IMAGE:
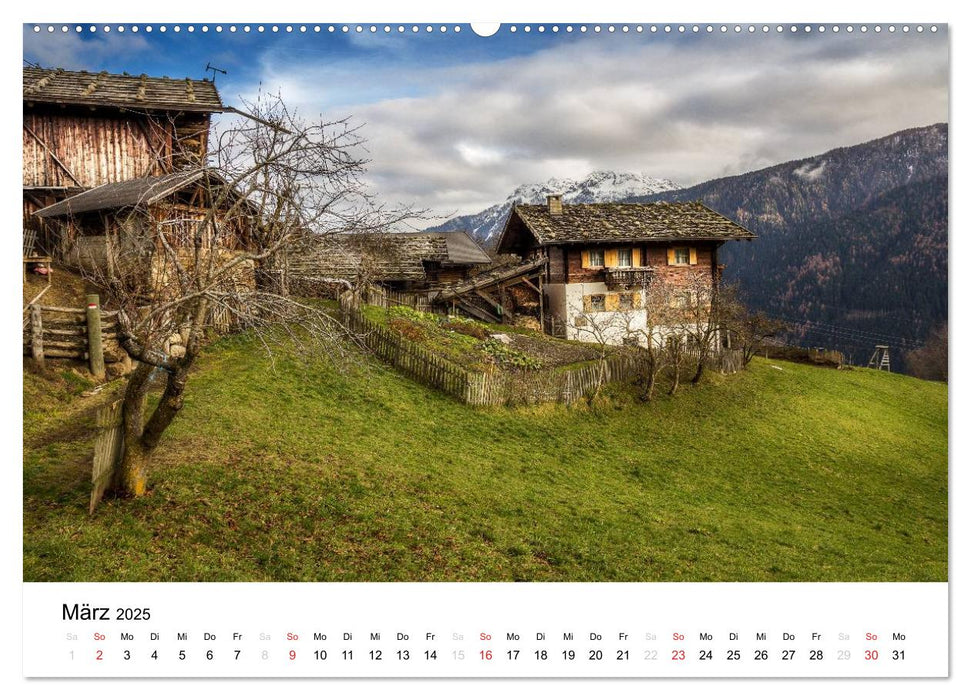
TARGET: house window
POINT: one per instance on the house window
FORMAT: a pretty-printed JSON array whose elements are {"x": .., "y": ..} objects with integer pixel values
[
  {"x": 598, "y": 302},
  {"x": 682, "y": 256},
  {"x": 625, "y": 302},
  {"x": 625, "y": 257},
  {"x": 596, "y": 258}
]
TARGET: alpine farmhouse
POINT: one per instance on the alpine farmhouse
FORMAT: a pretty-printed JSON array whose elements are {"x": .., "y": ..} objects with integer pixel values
[{"x": 601, "y": 260}]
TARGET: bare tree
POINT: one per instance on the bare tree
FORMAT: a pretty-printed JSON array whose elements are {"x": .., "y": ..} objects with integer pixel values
[
  {"x": 700, "y": 318},
  {"x": 746, "y": 330},
  {"x": 675, "y": 350},
  {"x": 594, "y": 324},
  {"x": 218, "y": 253},
  {"x": 649, "y": 320}
]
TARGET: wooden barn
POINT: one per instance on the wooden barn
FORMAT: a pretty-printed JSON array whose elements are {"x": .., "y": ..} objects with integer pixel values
[
  {"x": 83, "y": 130},
  {"x": 402, "y": 262},
  {"x": 147, "y": 226}
]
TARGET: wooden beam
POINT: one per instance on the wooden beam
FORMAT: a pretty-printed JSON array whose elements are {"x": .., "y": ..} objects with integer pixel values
[
  {"x": 474, "y": 310},
  {"x": 488, "y": 298},
  {"x": 525, "y": 281},
  {"x": 542, "y": 318},
  {"x": 37, "y": 335}
]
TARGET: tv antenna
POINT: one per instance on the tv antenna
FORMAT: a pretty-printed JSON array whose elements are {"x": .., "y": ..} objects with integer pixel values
[{"x": 210, "y": 67}]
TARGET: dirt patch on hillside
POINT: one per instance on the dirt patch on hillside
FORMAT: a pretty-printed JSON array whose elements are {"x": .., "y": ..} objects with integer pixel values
[
  {"x": 553, "y": 353},
  {"x": 67, "y": 288}
]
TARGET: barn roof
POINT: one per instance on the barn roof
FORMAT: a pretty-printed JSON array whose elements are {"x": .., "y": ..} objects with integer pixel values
[
  {"x": 65, "y": 87},
  {"x": 460, "y": 248},
  {"x": 620, "y": 223},
  {"x": 388, "y": 257},
  {"x": 114, "y": 195}
]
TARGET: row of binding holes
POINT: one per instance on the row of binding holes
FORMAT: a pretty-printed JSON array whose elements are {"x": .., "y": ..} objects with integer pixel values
[{"x": 428, "y": 28}]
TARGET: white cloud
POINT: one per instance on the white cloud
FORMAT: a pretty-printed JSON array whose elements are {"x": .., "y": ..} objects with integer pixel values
[
  {"x": 460, "y": 137},
  {"x": 68, "y": 50},
  {"x": 477, "y": 155}
]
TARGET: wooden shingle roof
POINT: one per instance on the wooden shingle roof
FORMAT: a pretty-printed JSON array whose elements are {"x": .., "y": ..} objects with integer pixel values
[
  {"x": 623, "y": 222},
  {"x": 114, "y": 195},
  {"x": 386, "y": 257},
  {"x": 460, "y": 248},
  {"x": 64, "y": 87}
]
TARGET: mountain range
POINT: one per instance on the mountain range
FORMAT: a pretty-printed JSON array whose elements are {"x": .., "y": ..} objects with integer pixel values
[{"x": 852, "y": 247}]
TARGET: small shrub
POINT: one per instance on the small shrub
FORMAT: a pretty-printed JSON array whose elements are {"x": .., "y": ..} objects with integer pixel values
[
  {"x": 470, "y": 328},
  {"x": 408, "y": 329},
  {"x": 410, "y": 314}
]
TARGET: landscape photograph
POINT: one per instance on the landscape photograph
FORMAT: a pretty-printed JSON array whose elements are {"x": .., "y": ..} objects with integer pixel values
[{"x": 562, "y": 302}]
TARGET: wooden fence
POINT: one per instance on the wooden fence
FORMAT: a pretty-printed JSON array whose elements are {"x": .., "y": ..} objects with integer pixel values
[
  {"x": 62, "y": 332},
  {"x": 378, "y": 296},
  {"x": 108, "y": 445},
  {"x": 498, "y": 387},
  {"x": 551, "y": 386},
  {"x": 223, "y": 320},
  {"x": 727, "y": 361},
  {"x": 413, "y": 359}
]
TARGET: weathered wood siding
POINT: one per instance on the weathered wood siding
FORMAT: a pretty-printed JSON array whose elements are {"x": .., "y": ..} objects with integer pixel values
[
  {"x": 576, "y": 272},
  {"x": 85, "y": 149},
  {"x": 452, "y": 274},
  {"x": 657, "y": 257},
  {"x": 94, "y": 149},
  {"x": 557, "y": 264}
]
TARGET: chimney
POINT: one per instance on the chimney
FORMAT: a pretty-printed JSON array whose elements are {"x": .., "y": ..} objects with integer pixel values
[{"x": 554, "y": 203}]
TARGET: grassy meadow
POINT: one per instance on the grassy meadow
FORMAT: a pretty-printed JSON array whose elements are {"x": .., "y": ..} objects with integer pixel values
[{"x": 291, "y": 469}]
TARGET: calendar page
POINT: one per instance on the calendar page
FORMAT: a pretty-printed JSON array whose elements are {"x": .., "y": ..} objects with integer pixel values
[{"x": 428, "y": 349}]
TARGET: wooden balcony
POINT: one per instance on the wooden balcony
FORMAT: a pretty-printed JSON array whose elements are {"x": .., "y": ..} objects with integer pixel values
[{"x": 628, "y": 276}]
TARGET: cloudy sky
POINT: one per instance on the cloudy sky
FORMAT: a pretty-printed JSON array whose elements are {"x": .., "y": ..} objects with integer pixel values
[{"x": 455, "y": 121}]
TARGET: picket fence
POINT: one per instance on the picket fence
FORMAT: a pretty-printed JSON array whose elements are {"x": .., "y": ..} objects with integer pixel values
[{"x": 378, "y": 296}]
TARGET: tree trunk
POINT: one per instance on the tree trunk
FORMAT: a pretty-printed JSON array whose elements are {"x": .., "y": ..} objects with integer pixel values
[
  {"x": 699, "y": 371},
  {"x": 677, "y": 378},
  {"x": 601, "y": 376},
  {"x": 132, "y": 477},
  {"x": 651, "y": 374},
  {"x": 649, "y": 389},
  {"x": 168, "y": 406}
]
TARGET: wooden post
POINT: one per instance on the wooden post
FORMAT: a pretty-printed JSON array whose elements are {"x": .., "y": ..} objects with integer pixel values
[
  {"x": 36, "y": 335},
  {"x": 542, "y": 319},
  {"x": 96, "y": 356}
]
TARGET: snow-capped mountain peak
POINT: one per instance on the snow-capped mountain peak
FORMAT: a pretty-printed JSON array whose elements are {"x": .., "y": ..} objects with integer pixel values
[{"x": 598, "y": 186}]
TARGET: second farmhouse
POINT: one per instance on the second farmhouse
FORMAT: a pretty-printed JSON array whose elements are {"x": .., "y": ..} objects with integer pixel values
[{"x": 601, "y": 259}]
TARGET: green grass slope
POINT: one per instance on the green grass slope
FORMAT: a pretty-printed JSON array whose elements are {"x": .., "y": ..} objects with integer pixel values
[{"x": 294, "y": 471}]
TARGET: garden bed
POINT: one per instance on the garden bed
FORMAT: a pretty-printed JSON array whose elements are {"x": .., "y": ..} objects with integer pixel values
[{"x": 479, "y": 346}]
